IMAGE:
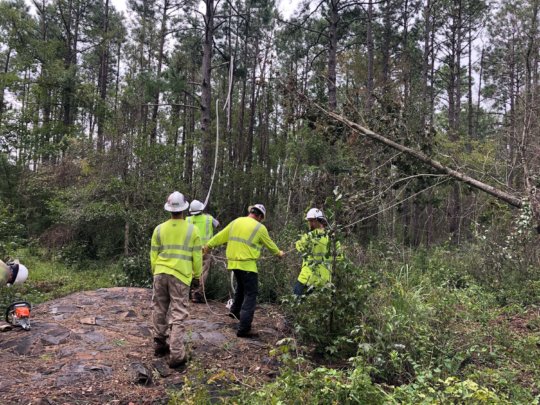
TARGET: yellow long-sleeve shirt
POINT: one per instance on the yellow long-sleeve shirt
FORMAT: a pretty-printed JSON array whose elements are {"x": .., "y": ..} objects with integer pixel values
[
  {"x": 245, "y": 238},
  {"x": 316, "y": 263},
  {"x": 176, "y": 250}
]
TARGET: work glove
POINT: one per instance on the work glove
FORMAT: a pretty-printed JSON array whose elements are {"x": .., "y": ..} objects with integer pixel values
[
  {"x": 205, "y": 249},
  {"x": 281, "y": 254},
  {"x": 195, "y": 283}
]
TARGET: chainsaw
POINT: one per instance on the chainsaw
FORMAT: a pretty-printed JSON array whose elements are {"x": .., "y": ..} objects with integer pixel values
[{"x": 18, "y": 314}]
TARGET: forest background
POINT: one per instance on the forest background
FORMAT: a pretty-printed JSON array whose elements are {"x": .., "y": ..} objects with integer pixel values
[{"x": 104, "y": 113}]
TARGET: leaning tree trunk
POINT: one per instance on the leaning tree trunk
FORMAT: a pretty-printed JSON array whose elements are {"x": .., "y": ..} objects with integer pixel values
[{"x": 500, "y": 194}]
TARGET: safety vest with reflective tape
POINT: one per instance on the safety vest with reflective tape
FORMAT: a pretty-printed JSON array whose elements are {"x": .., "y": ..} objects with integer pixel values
[
  {"x": 176, "y": 250},
  {"x": 316, "y": 264},
  {"x": 204, "y": 223},
  {"x": 245, "y": 238}
]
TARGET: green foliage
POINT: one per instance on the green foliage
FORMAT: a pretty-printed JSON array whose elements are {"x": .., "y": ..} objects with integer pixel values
[
  {"x": 11, "y": 231},
  {"x": 136, "y": 270},
  {"x": 321, "y": 385},
  {"x": 450, "y": 390},
  {"x": 327, "y": 316},
  {"x": 48, "y": 280}
]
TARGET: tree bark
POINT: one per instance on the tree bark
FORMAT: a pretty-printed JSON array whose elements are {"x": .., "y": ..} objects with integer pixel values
[
  {"x": 162, "y": 35},
  {"x": 206, "y": 96},
  {"x": 103, "y": 80},
  {"x": 370, "y": 49},
  {"x": 333, "y": 19},
  {"x": 2, "y": 90}
]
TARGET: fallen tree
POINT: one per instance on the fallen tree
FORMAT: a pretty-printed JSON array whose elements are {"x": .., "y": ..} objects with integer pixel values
[{"x": 513, "y": 200}]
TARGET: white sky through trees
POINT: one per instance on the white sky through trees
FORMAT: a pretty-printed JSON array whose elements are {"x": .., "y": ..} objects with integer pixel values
[{"x": 287, "y": 7}]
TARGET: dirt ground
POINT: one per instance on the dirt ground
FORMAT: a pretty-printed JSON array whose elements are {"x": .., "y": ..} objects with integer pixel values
[{"x": 96, "y": 348}]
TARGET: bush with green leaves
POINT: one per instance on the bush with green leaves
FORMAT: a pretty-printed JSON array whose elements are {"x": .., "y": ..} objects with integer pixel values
[
  {"x": 428, "y": 389},
  {"x": 12, "y": 232}
]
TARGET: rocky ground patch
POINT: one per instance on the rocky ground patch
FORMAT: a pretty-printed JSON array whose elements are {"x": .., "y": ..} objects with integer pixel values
[{"x": 95, "y": 347}]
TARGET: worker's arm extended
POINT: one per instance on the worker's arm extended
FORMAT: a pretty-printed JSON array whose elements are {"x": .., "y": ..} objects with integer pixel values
[
  {"x": 267, "y": 241},
  {"x": 301, "y": 244},
  {"x": 197, "y": 256},
  {"x": 220, "y": 238}
]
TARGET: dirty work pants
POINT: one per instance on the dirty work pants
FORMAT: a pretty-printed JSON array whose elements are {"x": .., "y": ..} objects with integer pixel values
[
  {"x": 245, "y": 298},
  {"x": 197, "y": 293},
  {"x": 170, "y": 296}
]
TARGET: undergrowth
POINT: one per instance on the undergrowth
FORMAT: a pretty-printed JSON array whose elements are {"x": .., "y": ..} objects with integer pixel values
[
  {"x": 48, "y": 279},
  {"x": 409, "y": 327}
]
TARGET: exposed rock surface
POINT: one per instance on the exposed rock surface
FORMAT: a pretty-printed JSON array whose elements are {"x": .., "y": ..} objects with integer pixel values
[{"x": 96, "y": 348}]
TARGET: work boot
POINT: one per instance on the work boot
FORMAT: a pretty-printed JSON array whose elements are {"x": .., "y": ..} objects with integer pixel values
[
  {"x": 197, "y": 298},
  {"x": 161, "y": 348},
  {"x": 248, "y": 334},
  {"x": 178, "y": 364}
]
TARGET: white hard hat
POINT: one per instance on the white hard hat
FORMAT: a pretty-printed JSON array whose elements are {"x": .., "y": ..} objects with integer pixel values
[
  {"x": 260, "y": 207},
  {"x": 176, "y": 202},
  {"x": 22, "y": 275},
  {"x": 196, "y": 207},
  {"x": 314, "y": 213}
]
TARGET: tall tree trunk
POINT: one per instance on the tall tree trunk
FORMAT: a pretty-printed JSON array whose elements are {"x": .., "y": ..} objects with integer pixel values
[
  {"x": 241, "y": 115},
  {"x": 454, "y": 108},
  {"x": 370, "y": 49},
  {"x": 470, "y": 112},
  {"x": 252, "y": 110},
  {"x": 333, "y": 20},
  {"x": 479, "y": 94},
  {"x": 386, "y": 45},
  {"x": 206, "y": 96},
  {"x": 162, "y": 35},
  {"x": 406, "y": 58},
  {"x": 2, "y": 90},
  {"x": 103, "y": 80}
]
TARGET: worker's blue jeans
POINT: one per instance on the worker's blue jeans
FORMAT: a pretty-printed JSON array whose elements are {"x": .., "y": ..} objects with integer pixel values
[
  {"x": 245, "y": 298},
  {"x": 299, "y": 288}
]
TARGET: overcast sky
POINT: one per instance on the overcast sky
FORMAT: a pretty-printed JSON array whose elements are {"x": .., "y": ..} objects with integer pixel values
[{"x": 286, "y": 6}]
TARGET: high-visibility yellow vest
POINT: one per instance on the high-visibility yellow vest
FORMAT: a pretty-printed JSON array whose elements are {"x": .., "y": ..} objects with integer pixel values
[
  {"x": 316, "y": 263},
  {"x": 245, "y": 238},
  {"x": 176, "y": 250},
  {"x": 204, "y": 223}
]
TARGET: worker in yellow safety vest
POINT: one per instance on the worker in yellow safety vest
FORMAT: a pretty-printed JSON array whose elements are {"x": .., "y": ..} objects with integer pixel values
[
  {"x": 245, "y": 237},
  {"x": 314, "y": 247},
  {"x": 206, "y": 224},
  {"x": 176, "y": 261}
]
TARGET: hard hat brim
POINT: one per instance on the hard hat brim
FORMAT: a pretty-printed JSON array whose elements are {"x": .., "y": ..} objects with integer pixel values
[
  {"x": 170, "y": 208},
  {"x": 258, "y": 209},
  {"x": 195, "y": 212}
]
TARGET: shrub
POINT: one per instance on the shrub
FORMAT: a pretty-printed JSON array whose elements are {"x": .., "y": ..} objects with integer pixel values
[{"x": 11, "y": 232}]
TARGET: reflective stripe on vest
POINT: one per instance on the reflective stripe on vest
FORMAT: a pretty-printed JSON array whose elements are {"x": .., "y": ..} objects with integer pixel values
[
  {"x": 207, "y": 234},
  {"x": 185, "y": 247},
  {"x": 248, "y": 241}
]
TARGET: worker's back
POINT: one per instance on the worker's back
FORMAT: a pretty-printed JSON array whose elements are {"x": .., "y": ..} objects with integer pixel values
[{"x": 204, "y": 223}]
